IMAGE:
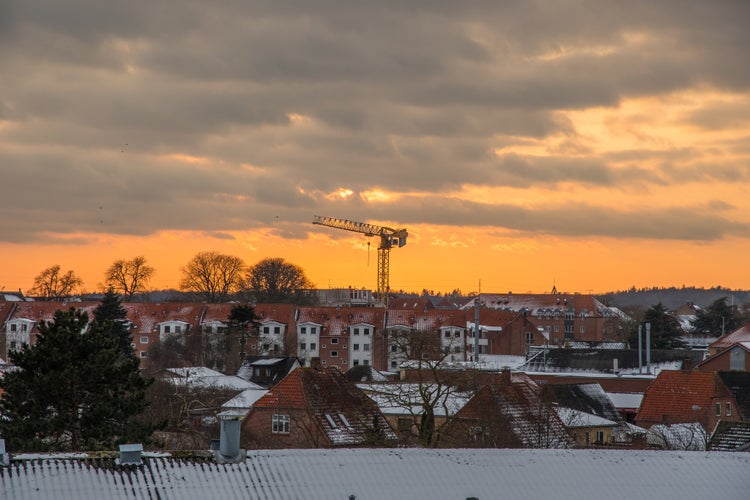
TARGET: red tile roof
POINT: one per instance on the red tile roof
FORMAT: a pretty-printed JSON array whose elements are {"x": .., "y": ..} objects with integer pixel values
[
  {"x": 740, "y": 335},
  {"x": 328, "y": 395},
  {"x": 680, "y": 396}
]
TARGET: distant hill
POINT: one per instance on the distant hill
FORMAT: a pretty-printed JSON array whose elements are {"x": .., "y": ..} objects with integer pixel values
[{"x": 672, "y": 298}]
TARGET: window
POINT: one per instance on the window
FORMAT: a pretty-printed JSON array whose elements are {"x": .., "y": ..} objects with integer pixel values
[
  {"x": 529, "y": 337},
  {"x": 331, "y": 422},
  {"x": 355, "y": 347},
  {"x": 457, "y": 349},
  {"x": 313, "y": 330},
  {"x": 365, "y": 347},
  {"x": 394, "y": 364},
  {"x": 447, "y": 334},
  {"x": 313, "y": 346},
  {"x": 23, "y": 327},
  {"x": 366, "y": 362},
  {"x": 280, "y": 424},
  {"x": 457, "y": 334},
  {"x": 343, "y": 361},
  {"x": 302, "y": 346},
  {"x": 356, "y": 331},
  {"x": 600, "y": 437},
  {"x": 355, "y": 362},
  {"x": 729, "y": 409},
  {"x": 167, "y": 329},
  {"x": 394, "y": 348},
  {"x": 334, "y": 341},
  {"x": 177, "y": 329},
  {"x": 144, "y": 339},
  {"x": 276, "y": 329},
  {"x": 13, "y": 327},
  {"x": 266, "y": 329},
  {"x": 144, "y": 354},
  {"x": 718, "y": 409},
  {"x": 366, "y": 331},
  {"x": 583, "y": 329},
  {"x": 557, "y": 328},
  {"x": 346, "y": 422},
  {"x": 404, "y": 424},
  {"x": 334, "y": 354},
  {"x": 13, "y": 345},
  {"x": 303, "y": 329}
]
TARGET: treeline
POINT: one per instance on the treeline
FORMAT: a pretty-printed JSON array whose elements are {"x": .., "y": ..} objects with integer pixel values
[
  {"x": 673, "y": 297},
  {"x": 209, "y": 276}
]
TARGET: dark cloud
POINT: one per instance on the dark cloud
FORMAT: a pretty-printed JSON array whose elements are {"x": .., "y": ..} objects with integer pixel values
[{"x": 227, "y": 115}]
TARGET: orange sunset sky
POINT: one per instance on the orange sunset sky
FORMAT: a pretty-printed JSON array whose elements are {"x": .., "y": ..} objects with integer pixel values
[{"x": 594, "y": 145}]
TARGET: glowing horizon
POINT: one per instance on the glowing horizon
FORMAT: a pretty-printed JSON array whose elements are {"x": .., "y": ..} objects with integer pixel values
[{"x": 524, "y": 145}]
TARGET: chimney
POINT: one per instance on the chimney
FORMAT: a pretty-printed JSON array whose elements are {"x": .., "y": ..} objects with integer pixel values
[
  {"x": 687, "y": 364},
  {"x": 229, "y": 438},
  {"x": 4, "y": 455},
  {"x": 505, "y": 376},
  {"x": 130, "y": 454},
  {"x": 315, "y": 363}
]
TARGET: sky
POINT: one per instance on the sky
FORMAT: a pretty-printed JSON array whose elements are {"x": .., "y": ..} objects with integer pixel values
[{"x": 590, "y": 145}]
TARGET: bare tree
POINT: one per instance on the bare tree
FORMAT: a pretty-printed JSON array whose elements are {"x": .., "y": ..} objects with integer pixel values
[
  {"x": 52, "y": 284},
  {"x": 129, "y": 276},
  {"x": 212, "y": 275},
  {"x": 275, "y": 280},
  {"x": 435, "y": 390}
]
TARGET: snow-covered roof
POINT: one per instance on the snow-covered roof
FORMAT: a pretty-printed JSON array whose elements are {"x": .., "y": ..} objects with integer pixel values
[
  {"x": 388, "y": 474},
  {"x": 625, "y": 399},
  {"x": 405, "y": 399},
  {"x": 203, "y": 377},
  {"x": 267, "y": 362},
  {"x": 245, "y": 399},
  {"x": 575, "y": 418}
]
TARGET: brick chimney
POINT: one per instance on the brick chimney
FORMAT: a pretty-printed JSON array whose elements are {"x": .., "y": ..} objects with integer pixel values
[
  {"x": 687, "y": 364},
  {"x": 505, "y": 376}
]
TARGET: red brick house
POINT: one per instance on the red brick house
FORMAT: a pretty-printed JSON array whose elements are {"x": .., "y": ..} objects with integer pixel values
[
  {"x": 506, "y": 414},
  {"x": 315, "y": 408},
  {"x": 684, "y": 396},
  {"x": 735, "y": 357},
  {"x": 727, "y": 341}
]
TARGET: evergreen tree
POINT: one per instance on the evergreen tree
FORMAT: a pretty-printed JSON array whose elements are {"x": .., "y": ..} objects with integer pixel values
[
  {"x": 242, "y": 323},
  {"x": 717, "y": 319},
  {"x": 665, "y": 329},
  {"x": 111, "y": 316},
  {"x": 73, "y": 390}
]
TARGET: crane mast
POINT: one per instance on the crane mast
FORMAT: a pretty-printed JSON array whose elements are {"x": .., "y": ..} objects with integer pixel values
[{"x": 389, "y": 238}]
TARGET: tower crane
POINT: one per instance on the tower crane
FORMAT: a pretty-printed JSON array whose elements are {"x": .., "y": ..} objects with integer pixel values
[{"x": 389, "y": 238}]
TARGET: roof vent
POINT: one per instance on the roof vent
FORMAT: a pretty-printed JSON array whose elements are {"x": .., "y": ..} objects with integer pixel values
[
  {"x": 4, "y": 455},
  {"x": 229, "y": 438},
  {"x": 130, "y": 454}
]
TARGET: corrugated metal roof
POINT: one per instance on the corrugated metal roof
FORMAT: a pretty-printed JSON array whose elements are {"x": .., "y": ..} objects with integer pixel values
[{"x": 392, "y": 474}]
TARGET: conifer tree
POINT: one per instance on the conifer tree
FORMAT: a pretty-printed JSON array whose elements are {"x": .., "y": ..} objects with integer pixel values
[
  {"x": 717, "y": 319},
  {"x": 111, "y": 316},
  {"x": 73, "y": 390}
]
